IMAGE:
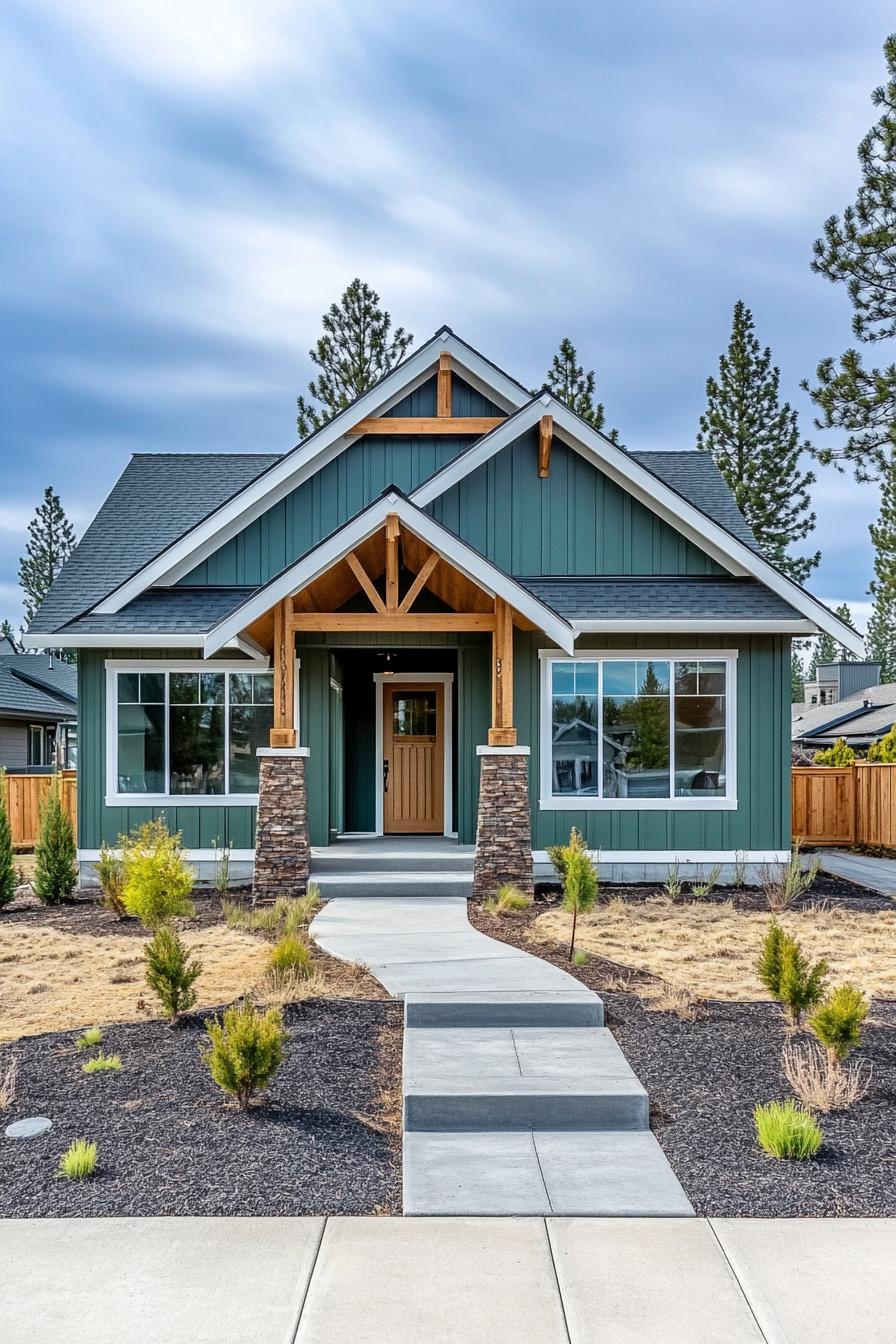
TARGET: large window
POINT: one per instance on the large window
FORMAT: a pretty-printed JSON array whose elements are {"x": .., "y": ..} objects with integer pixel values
[
  {"x": 190, "y": 733},
  {"x": 644, "y": 728}
]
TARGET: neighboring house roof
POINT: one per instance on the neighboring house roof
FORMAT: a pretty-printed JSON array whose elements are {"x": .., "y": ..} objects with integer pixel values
[
  {"x": 860, "y": 718},
  {"x": 35, "y": 684},
  {"x": 168, "y": 512},
  {"x": 616, "y": 600}
]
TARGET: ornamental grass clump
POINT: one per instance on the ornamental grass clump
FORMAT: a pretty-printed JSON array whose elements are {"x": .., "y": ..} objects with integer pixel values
[
  {"x": 79, "y": 1161},
  {"x": 89, "y": 1039},
  {"x": 55, "y": 866},
  {"x": 291, "y": 955},
  {"x": 157, "y": 880},
  {"x": 110, "y": 875},
  {"x": 102, "y": 1063},
  {"x": 245, "y": 1050},
  {"x": 787, "y": 975},
  {"x": 507, "y": 900},
  {"x": 785, "y": 1130},
  {"x": 170, "y": 973},
  {"x": 7, "y": 860},
  {"x": 785, "y": 883},
  {"x": 819, "y": 1085}
]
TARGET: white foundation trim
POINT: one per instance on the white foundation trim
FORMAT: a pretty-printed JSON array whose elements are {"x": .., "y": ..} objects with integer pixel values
[
  {"x": 503, "y": 751},
  {"x": 193, "y": 855},
  {"x": 672, "y": 856},
  {"x": 445, "y": 679}
]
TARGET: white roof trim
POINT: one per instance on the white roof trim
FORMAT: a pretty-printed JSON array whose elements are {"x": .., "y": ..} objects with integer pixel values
[
  {"x": 686, "y": 518},
  {"x": 295, "y": 467},
  {"x": 707, "y": 625},
  {"x": 463, "y": 558},
  {"x": 116, "y": 640}
]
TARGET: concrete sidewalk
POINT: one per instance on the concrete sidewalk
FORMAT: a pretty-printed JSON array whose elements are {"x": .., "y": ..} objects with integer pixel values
[
  {"x": 447, "y": 1281},
  {"x": 877, "y": 874}
]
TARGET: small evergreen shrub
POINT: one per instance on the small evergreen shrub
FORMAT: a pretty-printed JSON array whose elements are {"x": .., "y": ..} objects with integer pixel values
[
  {"x": 91, "y": 1038},
  {"x": 838, "y": 1021},
  {"x": 786, "y": 973},
  {"x": 169, "y": 972},
  {"x": 785, "y": 1130},
  {"x": 559, "y": 854},
  {"x": 55, "y": 868},
  {"x": 7, "y": 862},
  {"x": 110, "y": 874},
  {"x": 102, "y": 1064},
  {"x": 245, "y": 1050},
  {"x": 507, "y": 900},
  {"x": 79, "y": 1160},
  {"x": 157, "y": 880},
  {"x": 291, "y": 955},
  {"x": 579, "y": 889},
  {"x": 839, "y": 754},
  {"x": 883, "y": 751}
]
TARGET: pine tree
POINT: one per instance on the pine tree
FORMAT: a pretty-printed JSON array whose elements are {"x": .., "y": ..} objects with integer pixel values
[
  {"x": 55, "y": 866},
  {"x": 825, "y": 651},
  {"x": 7, "y": 864},
  {"x": 7, "y": 633},
  {"x": 796, "y": 677},
  {"x": 354, "y": 352},
  {"x": 859, "y": 251},
  {"x": 568, "y": 380},
  {"x": 880, "y": 642},
  {"x": 51, "y": 540},
  {"x": 843, "y": 653},
  {"x": 755, "y": 442}
]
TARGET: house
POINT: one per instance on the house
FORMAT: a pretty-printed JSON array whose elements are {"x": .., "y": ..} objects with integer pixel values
[
  {"x": 38, "y": 708},
  {"x": 860, "y": 719},
  {"x": 388, "y": 629},
  {"x": 840, "y": 681}
]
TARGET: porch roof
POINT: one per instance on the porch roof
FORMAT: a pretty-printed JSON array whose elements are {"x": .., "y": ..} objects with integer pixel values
[{"x": 624, "y": 602}]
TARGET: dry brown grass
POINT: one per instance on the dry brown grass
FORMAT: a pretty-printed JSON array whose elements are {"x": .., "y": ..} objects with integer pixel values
[
  {"x": 710, "y": 951},
  {"x": 819, "y": 1084},
  {"x": 661, "y": 997}
]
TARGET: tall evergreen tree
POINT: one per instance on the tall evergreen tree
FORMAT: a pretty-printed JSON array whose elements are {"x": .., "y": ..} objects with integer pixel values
[
  {"x": 825, "y": 651},
  {"x": 568, "y": 380},
  {"x": 880, "y": 641},
  {"x": 7, "y": 633},
  {"x": 859, "y": 251},
  {"x": 843, "y": 653},
  {"x": 51, "y": 540},
  {"x": 357, "y": 347},
  {"x": 796, "y": 676},
  {"x": 755, "y": 442}
]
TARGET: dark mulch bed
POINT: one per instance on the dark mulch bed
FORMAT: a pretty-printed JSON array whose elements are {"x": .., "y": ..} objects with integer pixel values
[
  {"x": 170, "y": 1142},
  {"x": 826, "y": 890},
  {"x": 705, "y": 1076},
  {"x": 85, "y": 913}
]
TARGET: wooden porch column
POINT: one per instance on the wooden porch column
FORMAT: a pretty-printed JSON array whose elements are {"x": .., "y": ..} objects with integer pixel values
[
  {"x": 283, "y": 733},
  {"x": 502, "y": 732}
]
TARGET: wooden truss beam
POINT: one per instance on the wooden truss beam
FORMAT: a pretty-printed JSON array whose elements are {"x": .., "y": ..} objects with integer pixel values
[
  {"x": 423, "y": 621},
  {"x": 413, "y": 592},
  {"x": 476, "y": 425},
  {"x": 365, "y": 581},
  {"x": 545, "y": 438},
  {"x": 502, "y": 732},
  {"x": 443, "y": 386}
]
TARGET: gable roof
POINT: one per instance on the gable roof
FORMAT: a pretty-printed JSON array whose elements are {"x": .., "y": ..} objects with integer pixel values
[
  {"x": 39, "y": 685},
  {"x": 868, "y": 714},
  {"x": 457, "y": 553}
]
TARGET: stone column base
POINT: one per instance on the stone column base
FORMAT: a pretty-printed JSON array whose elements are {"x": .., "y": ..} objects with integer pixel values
[
  {"x": 504, "y": 828},
  {"x": 282, "y": 851}
]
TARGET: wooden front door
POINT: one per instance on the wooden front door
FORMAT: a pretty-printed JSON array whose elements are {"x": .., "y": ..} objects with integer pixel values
[{"x": 413, "y": 758}]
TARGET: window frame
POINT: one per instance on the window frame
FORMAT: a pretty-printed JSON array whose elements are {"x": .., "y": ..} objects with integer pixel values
[
  {"x": 114, "y": 798},
  {"x": 550, "y": 802},
  {"x": 37, "y": 728}
]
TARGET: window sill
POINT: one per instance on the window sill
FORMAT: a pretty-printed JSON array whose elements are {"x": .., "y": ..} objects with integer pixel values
[
  {"x": 576, "y": 803},
  {"x": 181, "y": 800}
]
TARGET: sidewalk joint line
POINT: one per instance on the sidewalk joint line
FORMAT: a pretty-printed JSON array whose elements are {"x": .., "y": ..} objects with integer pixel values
[
  {"x": 736, "y": 1277},
  {"x": 547, "y": 1232},
  {"x": 547, "y": 1193},
  {"x": 300, "y": 1312}
]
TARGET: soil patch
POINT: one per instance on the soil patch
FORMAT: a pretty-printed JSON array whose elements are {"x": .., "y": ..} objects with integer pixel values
[{"x": 171, "y": 1143}]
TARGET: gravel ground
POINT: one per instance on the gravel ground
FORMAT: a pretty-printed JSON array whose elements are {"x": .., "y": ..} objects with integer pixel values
[
  {"x": 704, "y": 1078},
  {"x": 170, "y": 1142}
]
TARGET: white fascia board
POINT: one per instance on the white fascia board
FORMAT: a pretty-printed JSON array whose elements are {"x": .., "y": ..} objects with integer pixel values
[
  {"x": 738, "y": 558},
  {"x": 61, "y": 640},
  {"x": 707, "y": 625},
  {"x": 297, "y": 466},
  {"x": 457, "y": 553}
]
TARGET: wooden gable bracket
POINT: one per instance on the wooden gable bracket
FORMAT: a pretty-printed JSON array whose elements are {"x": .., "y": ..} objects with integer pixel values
[
  {"x": 545, "y": 439},
  {"x": 476, "y": 425},
  {"x": 413, "y": 592},
  {"x": 365, "y": 581},
  {"x": 443, "y": 386},
  {"x": 393, "y": 532}
]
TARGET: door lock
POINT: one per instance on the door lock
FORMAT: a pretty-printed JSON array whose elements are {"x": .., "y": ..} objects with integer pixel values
[{"x": 385, "y": 776}]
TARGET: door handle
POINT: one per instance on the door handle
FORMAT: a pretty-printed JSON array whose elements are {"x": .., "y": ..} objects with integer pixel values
[{"x": 385, "y": 776}]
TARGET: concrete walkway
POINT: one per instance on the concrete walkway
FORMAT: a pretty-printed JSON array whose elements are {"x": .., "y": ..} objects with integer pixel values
[
  {"x": 877, "y": 874},
  {"x": 447, "y": 1281},
  {"x": 517, "y": 1099}
]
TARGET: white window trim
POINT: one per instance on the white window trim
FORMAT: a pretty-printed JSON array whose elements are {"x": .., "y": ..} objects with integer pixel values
[
  {"x": 112, "y": 796},
  {"x": 445, "y": 679},
  {"x": 548, "y": 802},
  {"x": 38, "y": 728}
]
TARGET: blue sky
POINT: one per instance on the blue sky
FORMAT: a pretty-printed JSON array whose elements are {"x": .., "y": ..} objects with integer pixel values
[{"x": 187, "y": 186}]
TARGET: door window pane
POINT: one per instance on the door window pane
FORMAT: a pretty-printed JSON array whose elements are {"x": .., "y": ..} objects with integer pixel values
[
  {"x": 574, "y": 728},
  {"x": 414, "y": 713}
]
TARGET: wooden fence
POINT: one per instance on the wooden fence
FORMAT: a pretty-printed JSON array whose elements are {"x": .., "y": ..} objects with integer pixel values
[
  {"x": 845, "y": 805},
  {"x": 23, "y": 796}
]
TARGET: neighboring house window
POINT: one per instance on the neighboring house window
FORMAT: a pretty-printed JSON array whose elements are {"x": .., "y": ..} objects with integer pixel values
[
  {"x": 190, "y": 733},
  {"x": 35, "y": 744},
  {"x": 645, "y": 730},
  {"x": 71, "y": 746}
]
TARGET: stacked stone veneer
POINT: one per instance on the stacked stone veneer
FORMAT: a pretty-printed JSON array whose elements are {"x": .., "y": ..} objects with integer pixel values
[
  {"x": 504, "y": 828},
  {"x": 281, "y": 829}
]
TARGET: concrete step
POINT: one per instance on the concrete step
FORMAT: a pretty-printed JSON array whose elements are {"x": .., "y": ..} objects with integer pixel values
[
  {"x": 373, "y": 882},
  {"x": 522, "y": 1009},
  {"x": 506, "y": 1078},
  {"x": 517, "y": 1173},
  {"x": 392, "y": 859}
]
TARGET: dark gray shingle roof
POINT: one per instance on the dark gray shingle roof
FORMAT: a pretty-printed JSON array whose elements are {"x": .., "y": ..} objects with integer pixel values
[
  {"x": 158, "y": 498},
  {"x": 677, "y": 598},
  {"x": 37, "y": 684},
  {"x": 185, "y": 611},
  {"x": 695, "y": 475}
]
